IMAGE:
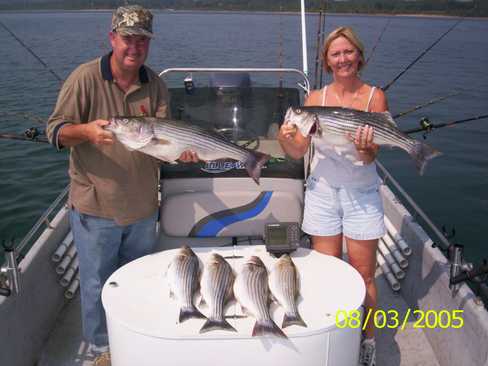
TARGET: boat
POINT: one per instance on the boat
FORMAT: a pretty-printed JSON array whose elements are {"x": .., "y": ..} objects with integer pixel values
[{"x": 439, "y": 320}]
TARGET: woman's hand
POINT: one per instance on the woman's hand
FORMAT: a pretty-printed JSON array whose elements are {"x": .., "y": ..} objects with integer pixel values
[
  {"x": 287, "y": 132},
  {"x": 363, "y": 140}
]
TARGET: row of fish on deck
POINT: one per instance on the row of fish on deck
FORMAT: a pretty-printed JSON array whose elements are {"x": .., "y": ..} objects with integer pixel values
[{"x": 251, "y": 287}]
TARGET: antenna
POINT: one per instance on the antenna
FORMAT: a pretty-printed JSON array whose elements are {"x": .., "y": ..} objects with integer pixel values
[{"x": 304, "y": 38}]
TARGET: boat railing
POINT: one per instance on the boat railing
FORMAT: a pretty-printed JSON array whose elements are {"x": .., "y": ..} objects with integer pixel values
[
  {"x": 42, "y": 223},
  {"x": 416, "y": 211},
  {"x": 305, "y": 86}
]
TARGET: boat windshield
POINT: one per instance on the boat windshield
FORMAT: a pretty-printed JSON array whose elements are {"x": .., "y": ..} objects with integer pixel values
[{"x": 248, "y": 116}]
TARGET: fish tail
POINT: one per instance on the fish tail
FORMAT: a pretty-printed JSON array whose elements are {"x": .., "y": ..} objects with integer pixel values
[
  {"x": 189, "y": 312},
  {"x": 214, "y": 324},
  {"x": 267, "y": 327},
  {"x": 421, "y": 153},
  {"x": 293, "y": 319},
  {"x": 254, "y": 163}
]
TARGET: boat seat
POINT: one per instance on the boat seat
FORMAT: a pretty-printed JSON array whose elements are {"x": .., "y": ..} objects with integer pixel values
[{"x": 227, "y": 212}]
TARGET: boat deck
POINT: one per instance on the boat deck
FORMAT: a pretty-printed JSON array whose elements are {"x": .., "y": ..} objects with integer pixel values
[{"x": 395, "y": 347}]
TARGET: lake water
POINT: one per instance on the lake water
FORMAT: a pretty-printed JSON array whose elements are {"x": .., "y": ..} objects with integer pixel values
[{"x": 453, "y": 192}]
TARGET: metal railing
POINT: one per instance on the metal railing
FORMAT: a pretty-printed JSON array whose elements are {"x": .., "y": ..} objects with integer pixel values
[{"x": 305, "y": 86}]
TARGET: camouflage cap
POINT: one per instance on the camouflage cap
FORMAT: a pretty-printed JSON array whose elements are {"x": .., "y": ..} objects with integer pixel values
[{"x": 132, "y": 20}]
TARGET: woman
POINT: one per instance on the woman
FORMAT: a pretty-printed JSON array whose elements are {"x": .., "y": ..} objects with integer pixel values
[{"x": 342, "y": 197}]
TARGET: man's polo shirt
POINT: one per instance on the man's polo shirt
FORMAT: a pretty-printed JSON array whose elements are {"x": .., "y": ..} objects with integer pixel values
[{"x": 109, "y": 181}]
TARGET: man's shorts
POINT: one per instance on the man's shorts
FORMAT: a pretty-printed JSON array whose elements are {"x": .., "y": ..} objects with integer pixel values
[{"x": 355, "y": 212}]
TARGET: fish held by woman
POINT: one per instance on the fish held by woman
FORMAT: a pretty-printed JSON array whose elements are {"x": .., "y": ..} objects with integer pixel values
[
  {"x": 334, "y": 124},
  {"x": 166, "y": 139}
]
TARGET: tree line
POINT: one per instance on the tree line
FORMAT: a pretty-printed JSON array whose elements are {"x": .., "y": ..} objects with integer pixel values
[{"x": 430, "y": 7}]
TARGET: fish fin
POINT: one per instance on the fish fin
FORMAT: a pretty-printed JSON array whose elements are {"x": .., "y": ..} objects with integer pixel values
[
  {"x": 421, "y": 153},
  {"x": 245, "y": 311},
  {"x": 254, "y": 163},
  {"x": 388, "y": 119},
  {"x": 202, "y": 302},
  {"x": 268, "y": 327},
  {"x": 160, "y": 141},
  {"x": 214, "y": 324},
  {"x": 190, "y": 312},
  {"x": 292, "y": 319}
]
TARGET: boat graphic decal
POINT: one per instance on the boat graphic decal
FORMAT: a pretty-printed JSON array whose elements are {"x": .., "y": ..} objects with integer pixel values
[
  {"x": 211, "y": 225},
  {"x": 220, "y": 166}
]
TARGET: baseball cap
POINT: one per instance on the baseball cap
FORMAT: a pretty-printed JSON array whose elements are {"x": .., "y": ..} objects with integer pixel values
[{"x": 132, "y": 20}]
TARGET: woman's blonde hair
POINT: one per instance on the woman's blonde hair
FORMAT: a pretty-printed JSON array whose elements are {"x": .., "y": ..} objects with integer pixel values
[{"x": 348, "y": 34}]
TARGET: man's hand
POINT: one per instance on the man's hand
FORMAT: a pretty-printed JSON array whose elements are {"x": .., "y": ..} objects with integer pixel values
[
  {"x": 189, "y": 156},
  {"x": 96, "y": 134}
]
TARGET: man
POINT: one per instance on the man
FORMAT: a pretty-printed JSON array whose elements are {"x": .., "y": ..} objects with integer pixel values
[{"x": 114, "y": 192}]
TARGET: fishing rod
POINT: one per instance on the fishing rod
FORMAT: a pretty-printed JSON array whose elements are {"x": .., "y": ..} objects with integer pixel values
[
  {"x": 317, "y": 54},
  {"x": 427, "y": 126},
  {"x": 387, "y": 86},
  {"x": 32, "y": 52},
  {"x": 25, "y": 115},
  {"x": 420, "y": 106},
  {"x": 322, "y": 36}
]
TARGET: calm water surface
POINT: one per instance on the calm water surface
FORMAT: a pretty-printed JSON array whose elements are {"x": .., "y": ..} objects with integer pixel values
[{"x": 453, "y": 191}]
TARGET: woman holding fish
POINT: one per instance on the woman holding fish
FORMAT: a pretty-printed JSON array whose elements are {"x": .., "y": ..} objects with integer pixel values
[{"x": 342, "y": 197}]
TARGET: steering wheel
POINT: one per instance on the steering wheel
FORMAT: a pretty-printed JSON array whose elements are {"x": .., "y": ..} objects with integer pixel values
[{"x": 230, "y": 132}]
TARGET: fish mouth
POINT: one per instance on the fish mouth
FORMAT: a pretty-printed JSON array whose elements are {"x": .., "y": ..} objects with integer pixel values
[{"x": 315, "y": 129}]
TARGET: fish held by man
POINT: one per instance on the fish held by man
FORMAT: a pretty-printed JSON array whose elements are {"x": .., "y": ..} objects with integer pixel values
[
  {"x": 284, "y": 285},
  {"x": 183, "y": 279},
  {"x": 252, "y": 292},
  {"x": 335, "y": 125},
  {"x": 216, "y": 289},
  {"x": 166, "y": 139}
]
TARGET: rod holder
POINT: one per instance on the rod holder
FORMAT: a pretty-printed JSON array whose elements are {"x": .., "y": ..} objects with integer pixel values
[{"x": 12, "y": 272}]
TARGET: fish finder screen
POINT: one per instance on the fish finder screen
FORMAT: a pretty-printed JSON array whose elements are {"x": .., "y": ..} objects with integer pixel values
[{"x": 276, "y": 235}]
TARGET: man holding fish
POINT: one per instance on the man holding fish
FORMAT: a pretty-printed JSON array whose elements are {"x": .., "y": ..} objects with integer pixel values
[{"x": 113, "y": 192}]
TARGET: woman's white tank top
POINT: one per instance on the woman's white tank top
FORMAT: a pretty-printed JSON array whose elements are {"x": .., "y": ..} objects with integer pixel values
[{"x": 339, "y": 166}]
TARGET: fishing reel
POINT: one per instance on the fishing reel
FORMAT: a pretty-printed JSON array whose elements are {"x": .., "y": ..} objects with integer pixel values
[
  {"x": 426, "y": 125},
  {"x": 32, "y": 133}
]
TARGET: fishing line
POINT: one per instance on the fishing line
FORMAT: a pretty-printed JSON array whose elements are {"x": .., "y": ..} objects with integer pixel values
[
  {"x": 32, "y": 52},
  {"x": 387, "y": 86},
  {"x": 420, "y": 106},
  {"x": 378, "y": 40}
]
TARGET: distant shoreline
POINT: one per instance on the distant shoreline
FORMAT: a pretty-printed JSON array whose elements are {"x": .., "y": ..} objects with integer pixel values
[{"x": 180, "y": 11}]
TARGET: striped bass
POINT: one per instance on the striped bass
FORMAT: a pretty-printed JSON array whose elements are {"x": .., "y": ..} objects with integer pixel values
[
  {"x": 166, "y": 139},
  {"x": 183, "y": 275},
  {"x": 334, "y": 124},
  {"x": 284, "y": 285},
  {"x": 216, "y": 288},
  {"x": 252, "y": 292}
]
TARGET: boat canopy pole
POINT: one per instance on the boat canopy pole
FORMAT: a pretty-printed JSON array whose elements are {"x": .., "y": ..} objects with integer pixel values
[{"x": 304, "y": 38}]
